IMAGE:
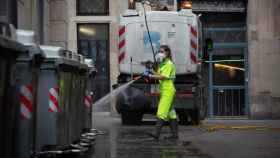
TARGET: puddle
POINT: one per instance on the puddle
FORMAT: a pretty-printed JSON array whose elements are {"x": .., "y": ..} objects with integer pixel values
[{"x": 128, "y": 142}]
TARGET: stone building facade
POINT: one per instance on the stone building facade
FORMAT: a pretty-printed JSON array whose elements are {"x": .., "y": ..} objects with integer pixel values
[
  {"x": 263, "y": 20},
  {"x": 55, "y": 23},
  {"x": 263, "y": 37}
]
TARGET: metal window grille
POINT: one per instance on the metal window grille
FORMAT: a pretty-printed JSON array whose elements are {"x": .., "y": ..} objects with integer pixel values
[{"x": 92, "y": 7}]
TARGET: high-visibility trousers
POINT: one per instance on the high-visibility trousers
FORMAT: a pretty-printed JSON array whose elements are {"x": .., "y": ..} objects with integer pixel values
[{"x": 165, "y": 109}]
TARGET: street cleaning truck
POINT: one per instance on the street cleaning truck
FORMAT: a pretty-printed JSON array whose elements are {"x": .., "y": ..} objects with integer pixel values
[{"x": 140, "y": 36}]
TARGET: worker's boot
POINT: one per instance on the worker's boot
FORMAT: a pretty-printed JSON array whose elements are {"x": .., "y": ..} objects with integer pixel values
[
  {"x": 173, "y": 129},
  {"x": 159, "y": 125}
]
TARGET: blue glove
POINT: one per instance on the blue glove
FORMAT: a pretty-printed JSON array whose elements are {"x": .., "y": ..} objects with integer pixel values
[{"x": 147, "y": 72}]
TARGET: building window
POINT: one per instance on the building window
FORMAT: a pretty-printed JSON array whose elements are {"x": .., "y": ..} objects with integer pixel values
[{"x": 92, "y": 7}]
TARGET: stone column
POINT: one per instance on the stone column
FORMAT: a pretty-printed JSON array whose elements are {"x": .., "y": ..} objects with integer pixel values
[
  {"x": 58, "y": 23},
  {"x": 263, "y": 21}
]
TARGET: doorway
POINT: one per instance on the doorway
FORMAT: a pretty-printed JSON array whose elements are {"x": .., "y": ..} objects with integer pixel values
[
  {"x": 93, "y": 42},
  {"x": 227, "y": 64}
]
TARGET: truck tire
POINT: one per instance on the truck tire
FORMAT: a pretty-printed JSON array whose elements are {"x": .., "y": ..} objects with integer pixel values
[
  {"x": 200, "y": 110},
  {"x": 195, "y": 118},
  {"x": 131, "y": 118},
  {"x": 203, "y": 112}
]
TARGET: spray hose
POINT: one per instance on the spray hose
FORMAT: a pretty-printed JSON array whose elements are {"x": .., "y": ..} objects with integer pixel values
[
  {"x": 150, "y": 40},
  {"x": 137, "y": 77}
]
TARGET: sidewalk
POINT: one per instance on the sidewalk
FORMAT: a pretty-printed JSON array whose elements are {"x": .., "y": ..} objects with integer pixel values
[
  {"x": 236, "y": 138},
  {"x": 271, "y": 123}
]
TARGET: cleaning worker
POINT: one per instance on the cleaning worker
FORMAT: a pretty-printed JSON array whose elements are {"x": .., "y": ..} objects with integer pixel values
[{"x": 165, "y": 73}]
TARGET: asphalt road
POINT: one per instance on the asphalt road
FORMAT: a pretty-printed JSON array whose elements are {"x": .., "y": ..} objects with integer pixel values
[{"x": 195, "y": 142}]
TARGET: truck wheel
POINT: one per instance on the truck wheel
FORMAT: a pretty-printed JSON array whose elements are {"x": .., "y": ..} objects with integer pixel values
[
  {"x": 195, "y": 116},
  {"x": 202, "y": 112},
  {"x": 131, "y": 118}
]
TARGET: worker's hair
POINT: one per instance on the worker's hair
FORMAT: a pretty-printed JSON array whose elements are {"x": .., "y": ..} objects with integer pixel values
[{"x": 167, "y": 50}]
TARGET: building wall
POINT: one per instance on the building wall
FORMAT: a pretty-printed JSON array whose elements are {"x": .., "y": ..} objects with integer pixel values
[
  {"x": 264, "y": 56},
  {"x": 8, "y": 11},
  {"x": 47, "y": 18},
  {"x": 46, "y": 22},
  {"x": 33, "y": 15},
  {"x": 25, "y": 15},
  {"x": 115, "y": 8},
  {"x": 58, "y": 23}
]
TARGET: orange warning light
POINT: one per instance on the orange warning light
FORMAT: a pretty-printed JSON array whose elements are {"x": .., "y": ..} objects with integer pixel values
[{"x": 186, "y": 5}]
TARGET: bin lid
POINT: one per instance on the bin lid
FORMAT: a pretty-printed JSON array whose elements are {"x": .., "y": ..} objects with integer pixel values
[
  {"x": 14, "y": 46},
  {"x": 26, "y": 37},
  {"x": 32, "y": 52},
  {"x": 89, "y": 62},
  {"x": 36, "y": 51},
  {"x": 51, "y": 52},
  {"x": 90, "y": 65},
  {"x": 62, "y": 56}
]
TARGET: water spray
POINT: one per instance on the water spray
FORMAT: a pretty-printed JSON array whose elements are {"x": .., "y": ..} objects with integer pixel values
[{"x": 107, "y": 98}]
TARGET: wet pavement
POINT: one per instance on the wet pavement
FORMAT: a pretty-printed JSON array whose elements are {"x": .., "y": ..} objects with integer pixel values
[
  {"x": 132, "y": 141},
  {"x": 195, "y": 141}
]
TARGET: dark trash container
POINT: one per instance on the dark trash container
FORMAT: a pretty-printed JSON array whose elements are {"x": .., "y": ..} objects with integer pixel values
[
  {"x": 27, "y": 81},
  {"x": 62, "y": 87},
  {"x": 88, "y": 100},
  {"x": 27, "y": 76}
]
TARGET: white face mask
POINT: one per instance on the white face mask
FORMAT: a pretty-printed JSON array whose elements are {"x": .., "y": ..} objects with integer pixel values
[{"x": 160, "y": 57}]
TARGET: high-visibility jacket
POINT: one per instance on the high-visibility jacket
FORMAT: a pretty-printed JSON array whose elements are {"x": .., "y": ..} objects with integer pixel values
[
  {"x": 167, "y": 69},
  {"x": 167, "y": 90}
]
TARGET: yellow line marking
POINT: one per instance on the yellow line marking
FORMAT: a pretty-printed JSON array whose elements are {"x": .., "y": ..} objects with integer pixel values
[{"x": 212, "y": 128}]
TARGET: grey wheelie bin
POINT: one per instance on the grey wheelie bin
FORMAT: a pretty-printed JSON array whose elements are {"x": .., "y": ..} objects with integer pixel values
[
  {"x": 9, "y": 51},
  {"x": 27, "y": 80},
  {"x": 61, "y": 92},
  {"x": 88, "y": 100}
]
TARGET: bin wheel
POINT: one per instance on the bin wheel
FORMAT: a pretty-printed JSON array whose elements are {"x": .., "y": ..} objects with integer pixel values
[{"x": 131, "y": 118}]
